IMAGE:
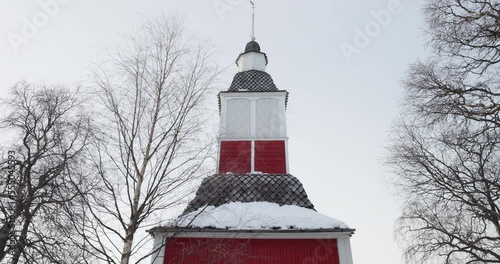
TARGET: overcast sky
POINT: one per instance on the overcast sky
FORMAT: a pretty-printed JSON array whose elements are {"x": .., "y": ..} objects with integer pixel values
[{"x": 341, "y": 65}]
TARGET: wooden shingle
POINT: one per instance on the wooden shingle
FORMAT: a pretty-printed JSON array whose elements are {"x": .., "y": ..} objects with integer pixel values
[{"x": 219, "y": 189}]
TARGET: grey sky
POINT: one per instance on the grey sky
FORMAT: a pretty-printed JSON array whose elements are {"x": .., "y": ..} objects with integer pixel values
[{"x": 340, "y": 110}]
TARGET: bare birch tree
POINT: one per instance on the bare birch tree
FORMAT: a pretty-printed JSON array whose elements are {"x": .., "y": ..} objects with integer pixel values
[
  {"x": 445, "y": 150},
  {"x": 153, "y": 144},
  {"x": 42, "y": 166}
]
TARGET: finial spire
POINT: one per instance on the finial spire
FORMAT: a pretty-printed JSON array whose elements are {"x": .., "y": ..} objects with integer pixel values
[{"x": 253, "y": 19}]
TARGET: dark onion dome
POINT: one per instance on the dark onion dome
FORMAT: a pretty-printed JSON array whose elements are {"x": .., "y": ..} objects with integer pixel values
[
  {"x": 253, "y": 81},
  {"x": 221, "y": 189},
  {"x": 252, "y": 46}
]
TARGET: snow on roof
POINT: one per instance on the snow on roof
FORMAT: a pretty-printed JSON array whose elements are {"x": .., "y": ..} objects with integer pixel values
[{"x": 256, "y": 216}]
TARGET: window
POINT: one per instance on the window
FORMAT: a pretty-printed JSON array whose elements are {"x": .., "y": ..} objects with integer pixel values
[
  {"x": 235, "y": 157},
  {"x": 268, "y": 121},
  {"x": 270, "y": 156},
  {"x": 238, "y": 118}
]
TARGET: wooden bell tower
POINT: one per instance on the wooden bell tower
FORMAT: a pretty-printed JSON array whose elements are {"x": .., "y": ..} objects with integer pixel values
[{"x": 253, "y": 136}]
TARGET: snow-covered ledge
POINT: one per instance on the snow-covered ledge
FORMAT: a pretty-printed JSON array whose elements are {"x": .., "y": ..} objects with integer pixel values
[{"x": 258, "y": 216}]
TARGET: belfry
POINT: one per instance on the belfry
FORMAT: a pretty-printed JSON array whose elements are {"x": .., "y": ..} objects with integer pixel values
[{"x": 252, "y": 210}]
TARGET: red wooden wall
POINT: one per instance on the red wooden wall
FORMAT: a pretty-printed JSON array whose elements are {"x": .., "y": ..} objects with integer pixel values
[
  {"x": 251, "y": 251},
  {"x": 270, "y": 156},
  {"x": 235, "y": 157}
]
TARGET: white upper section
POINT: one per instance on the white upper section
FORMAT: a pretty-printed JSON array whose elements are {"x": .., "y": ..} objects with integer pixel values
[
  {"x": 253, "y": 115},
  {"x": 252, "y": 61}
]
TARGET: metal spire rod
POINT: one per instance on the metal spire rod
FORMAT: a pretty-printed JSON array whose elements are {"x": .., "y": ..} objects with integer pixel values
[{"x": 253, "y": 19}]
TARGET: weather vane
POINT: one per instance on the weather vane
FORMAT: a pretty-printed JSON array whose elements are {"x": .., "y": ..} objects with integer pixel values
[{"x": 253, "y": 19}]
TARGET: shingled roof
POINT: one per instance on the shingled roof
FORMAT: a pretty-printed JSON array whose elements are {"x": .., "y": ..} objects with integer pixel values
[
  {"x": 254, "y": 81},
  {"x": 220, "y": 189}
]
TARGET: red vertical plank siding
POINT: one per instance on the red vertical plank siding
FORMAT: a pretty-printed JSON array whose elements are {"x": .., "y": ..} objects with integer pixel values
[
  {"x": 235, "y": 157},
  {"x": 251, "y": 251},
  {"x": 270, "y": 156}
]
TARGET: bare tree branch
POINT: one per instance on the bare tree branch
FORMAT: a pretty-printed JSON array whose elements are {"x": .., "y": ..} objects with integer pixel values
[{"x": 153, "y": 144}]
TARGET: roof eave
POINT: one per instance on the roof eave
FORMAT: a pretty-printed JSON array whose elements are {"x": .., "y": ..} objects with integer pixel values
[{"x": 180, "y": 230}]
